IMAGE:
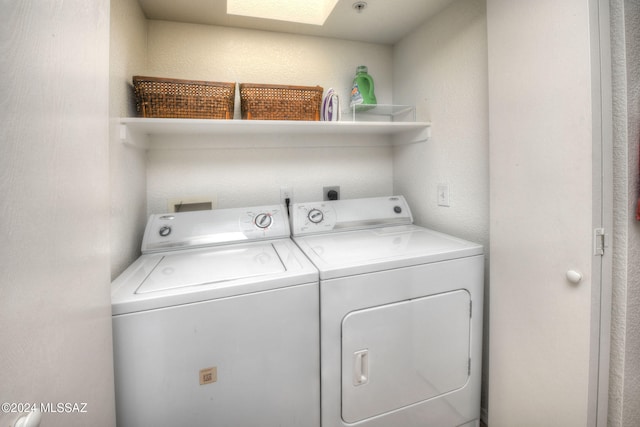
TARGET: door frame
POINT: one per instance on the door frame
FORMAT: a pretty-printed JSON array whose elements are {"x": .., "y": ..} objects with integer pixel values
[{"x": 602, "y": 175}]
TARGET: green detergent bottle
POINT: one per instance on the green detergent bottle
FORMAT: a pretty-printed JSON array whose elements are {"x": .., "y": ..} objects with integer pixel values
[{"x": 362, "y": 89}]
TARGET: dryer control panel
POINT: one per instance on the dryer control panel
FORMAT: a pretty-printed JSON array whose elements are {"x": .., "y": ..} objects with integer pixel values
[
  {"x": 184, "y": 230},
  {"x": 344, "y": 215}
]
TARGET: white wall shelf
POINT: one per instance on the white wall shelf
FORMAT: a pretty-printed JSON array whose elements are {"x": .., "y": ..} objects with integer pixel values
[{"x": 142, "y": 132}]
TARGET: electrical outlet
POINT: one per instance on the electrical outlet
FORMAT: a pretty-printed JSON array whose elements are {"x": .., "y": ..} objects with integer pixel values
[
  {"x": 331, "y": 193},
  {"x": 286, "y": 192},
  {"x": 443, "y": 195}
]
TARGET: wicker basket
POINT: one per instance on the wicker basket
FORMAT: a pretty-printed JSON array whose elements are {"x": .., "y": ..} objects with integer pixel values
[
  {"x": 185, "y": 99},
  {"x": 274, "y": 102}
]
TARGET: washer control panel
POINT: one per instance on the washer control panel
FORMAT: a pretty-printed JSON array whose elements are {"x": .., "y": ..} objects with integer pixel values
[
  {"x": 184, "y": 230},
  {"x": 354, "y": 214}
]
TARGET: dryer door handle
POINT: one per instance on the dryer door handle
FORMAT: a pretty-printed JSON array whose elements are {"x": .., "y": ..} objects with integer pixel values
[{"x": 360, "y": 367}]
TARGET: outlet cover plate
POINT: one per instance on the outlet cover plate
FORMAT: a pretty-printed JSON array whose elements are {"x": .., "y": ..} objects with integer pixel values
[{"x": 443, "y": 195}]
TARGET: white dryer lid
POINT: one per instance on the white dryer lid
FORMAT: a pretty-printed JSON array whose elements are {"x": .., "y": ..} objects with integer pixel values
[{"x": 363, "y": 251}]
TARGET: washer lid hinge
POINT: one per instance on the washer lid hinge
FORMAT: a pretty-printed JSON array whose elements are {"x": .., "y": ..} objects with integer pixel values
[{"x": 599, "y": 243}]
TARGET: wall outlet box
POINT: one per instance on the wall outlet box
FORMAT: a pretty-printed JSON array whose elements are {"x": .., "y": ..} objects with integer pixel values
[
  {"x": 331, "y": 192},
  {"x": 189, "y": 204}
]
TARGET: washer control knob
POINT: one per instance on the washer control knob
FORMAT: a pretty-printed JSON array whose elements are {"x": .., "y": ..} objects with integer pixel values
[
  {"x": 397, "y": 209},
  {"x": 165, "y": 231},
  {"x": 263, "y": 220},
  {"x": 315, "y": 216}
]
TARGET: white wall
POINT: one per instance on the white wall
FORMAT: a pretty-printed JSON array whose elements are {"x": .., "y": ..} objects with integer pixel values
[
  {"x": 253, "y": 176},
  {"x": 624, "y": 387},
  {"x": 244, "y": 177},
  {"x": 128, "y": 180},
  {"x": 55, "y": 306},
  {"x": 206, "y": 52},
  {"x": 442, "y": 69}
]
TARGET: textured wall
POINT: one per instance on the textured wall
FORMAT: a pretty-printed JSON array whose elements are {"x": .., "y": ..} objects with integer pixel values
[
  {"x": 631, "y": 410},
  {"x": 620, "y": 178},
  {"x": 442, "y": 69},
  {"x": 250, "y": 176},
  {"x": 128, "y": 53},
  {"x": 55, "y": 307},
  {"x": 243, "y": 177},
  {"x": 204, "y": 52},
  {"x": 624, "y": 387}
]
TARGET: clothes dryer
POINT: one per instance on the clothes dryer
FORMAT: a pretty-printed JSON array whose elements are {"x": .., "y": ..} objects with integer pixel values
[
  {"x": 217, "y": 324},
  {"x": 400, "y": 315}
]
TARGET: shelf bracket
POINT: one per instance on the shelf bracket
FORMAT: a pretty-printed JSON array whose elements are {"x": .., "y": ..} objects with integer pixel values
[
  {"x": 133, "y": 139},
  {"x": 412, "y": 136}
]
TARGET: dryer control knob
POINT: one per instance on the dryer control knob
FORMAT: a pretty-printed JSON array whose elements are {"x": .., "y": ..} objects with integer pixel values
[
  {"x": 263, "y": 220},
  {"x": 315, "y": 216},
  {"x": 165, "y": 231}
]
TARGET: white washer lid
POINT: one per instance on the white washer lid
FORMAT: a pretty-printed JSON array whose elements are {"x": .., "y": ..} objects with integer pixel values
[
  {"x": 173, "y": 278},
  {"x": 363, "y": 251},
  {"x": 194, "y": 268}
]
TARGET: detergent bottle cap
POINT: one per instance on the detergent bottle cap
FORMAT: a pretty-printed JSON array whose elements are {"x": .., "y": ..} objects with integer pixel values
[{"x": 361, "y": 69}]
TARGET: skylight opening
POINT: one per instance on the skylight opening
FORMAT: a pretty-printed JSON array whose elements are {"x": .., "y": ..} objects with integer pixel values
[{"x": 313, "y": 12}]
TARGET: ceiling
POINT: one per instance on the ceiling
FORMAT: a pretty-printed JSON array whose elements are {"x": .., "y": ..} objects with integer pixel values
[{"x": 382, "y": 21}]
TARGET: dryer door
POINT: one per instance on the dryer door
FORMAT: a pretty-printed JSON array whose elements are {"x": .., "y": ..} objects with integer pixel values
[{"x": 404, "y": 353}]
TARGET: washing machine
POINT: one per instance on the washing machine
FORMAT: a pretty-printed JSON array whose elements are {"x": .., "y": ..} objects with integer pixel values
[
  {"x": 217, "y": 324},
  {"x": 400, "y": 315}
]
